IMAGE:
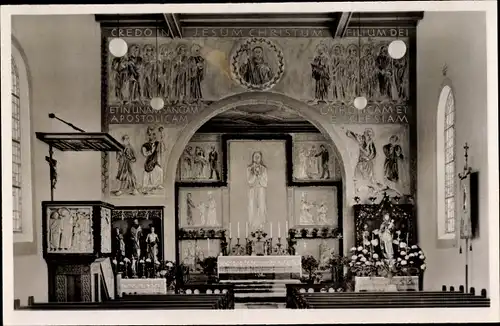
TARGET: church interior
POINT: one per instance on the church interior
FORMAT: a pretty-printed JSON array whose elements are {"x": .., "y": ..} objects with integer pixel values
[{"x": 225, "y": 161}]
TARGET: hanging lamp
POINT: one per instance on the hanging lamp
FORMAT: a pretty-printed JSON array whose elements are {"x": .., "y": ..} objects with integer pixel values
[
  {"x": 397, "y": 48},
  {"x": 117, "y": 46},
  {"x": 360, "y": 102},
  {"x": 157, "y": 102}
]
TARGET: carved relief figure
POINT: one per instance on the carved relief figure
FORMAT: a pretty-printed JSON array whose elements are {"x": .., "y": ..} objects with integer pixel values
[
  {"x": 189, "y": 208},
  {"x": 196, "y": 73},
  {"x": 211, "y": 210},
  {"x": 55, "y": 231},
  {"x": 134, "y": 73},
  {"x": 367, "y": 153},
  {"x": 213, "y": 160},
  {"x": 166, "y": 71},
  {"x": 125, "y": 174},
  {"x": 256, "y": 70},
  {"x": 324, "y": 161},
  {"x": 321, "y": 74},
  {"x": 135, "y": 239},
  {"x": 322, "y": 214},
  {"x": 257, "y": 182},
  {"x": 119, "y": 244},
  {"x": 105, "y": 230},
  {"x": 162, "y": 149},
  {"x": 148, "y": 80},
  {"x": 325, "y": 254},
  {"x": 306, "y": 217},
  {"x": 199, "y": 162},
  {"x": 352, "y": 65},
  {"x": 181, "y": 70},
  {"x": 366, "y": 236},
  {"x": 187, "y": 163},
  {"x": 152, "y": 242},
  {"x": 190, "y": 256},
  {"x": 393, "y": 155},
  {"x": 67, "y": 228},
  {"x": 313, "y": 162},
  {"x": 303, "y": 158},
  {"x": 368, "y": 77},
  {"x": 384, "y": 74},
  {"x": 338, "y": 73},
  {"x": 386, "y": 239},
  {"x": 153, "y": 172}
]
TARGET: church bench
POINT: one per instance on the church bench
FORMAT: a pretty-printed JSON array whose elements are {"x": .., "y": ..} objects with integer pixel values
[
  {"x": 223, "y": 300},
  {"x": 132, "y": 305},
  {"x": 345, "y": 300},
  {"x": 227, "y": 289}
]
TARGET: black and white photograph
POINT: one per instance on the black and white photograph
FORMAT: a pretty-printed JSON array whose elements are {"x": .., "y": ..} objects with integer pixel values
[{"x": 315, "y": 162}]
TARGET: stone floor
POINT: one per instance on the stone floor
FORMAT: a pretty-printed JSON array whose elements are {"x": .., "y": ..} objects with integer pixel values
[{"x": 260, "y": 305}]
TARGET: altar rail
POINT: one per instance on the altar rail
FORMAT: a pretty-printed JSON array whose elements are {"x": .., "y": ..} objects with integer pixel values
[
  {"x": 376, "y": 300},
  {"x": 196, "y": 289},
  {"x": 141, "y": 302}
]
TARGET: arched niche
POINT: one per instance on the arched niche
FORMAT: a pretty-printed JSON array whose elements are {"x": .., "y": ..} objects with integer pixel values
[{"x": 311, "y": 114}]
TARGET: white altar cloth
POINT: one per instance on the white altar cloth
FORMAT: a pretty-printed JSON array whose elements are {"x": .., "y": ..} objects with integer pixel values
[
  {"x": 142, "y": 286},
  {"x": 259, "y": 264}
]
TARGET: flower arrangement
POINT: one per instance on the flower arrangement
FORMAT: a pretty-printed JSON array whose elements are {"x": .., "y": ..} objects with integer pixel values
[
  {"x": 201, "y": 233},
  {"x": 167, "y": 269},
  {"x": 377, "y": 257},
  {"x": 315, "y": 233},
  {"x": 311, "y": 265}
]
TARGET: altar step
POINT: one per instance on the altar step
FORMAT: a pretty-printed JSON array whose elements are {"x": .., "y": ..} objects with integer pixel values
[{"x": 257, "y": 290}]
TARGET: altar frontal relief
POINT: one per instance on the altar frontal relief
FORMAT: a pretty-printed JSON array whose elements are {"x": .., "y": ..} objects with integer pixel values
[{"x": 257, "y": 183}]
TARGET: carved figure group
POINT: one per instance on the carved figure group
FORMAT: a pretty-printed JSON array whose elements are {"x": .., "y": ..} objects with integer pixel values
[
  {"x": 173, "y": 73},
  {"x": 153, "y": 151},
  {"x": 342, "y": 73},
  {"x": 207, "y": 211},
  {"x": 313, "y": 163},
  {"x": 134, "y": 243},
  {"x": 313, "y": 213},
  {"x": 198, "y": 165},
  {"x": 70, "y": 230}
]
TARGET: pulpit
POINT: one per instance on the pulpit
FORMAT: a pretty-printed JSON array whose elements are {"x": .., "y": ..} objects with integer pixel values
[{"x": 76, "y": 244}]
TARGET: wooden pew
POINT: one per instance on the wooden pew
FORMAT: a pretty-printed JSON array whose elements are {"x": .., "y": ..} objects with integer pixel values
[
  {"x": 222, "y": 300},
  {"x": 345, "y": 300},
  {"x": 161, "y": 302},
  {"x": 204, "y": 288}
]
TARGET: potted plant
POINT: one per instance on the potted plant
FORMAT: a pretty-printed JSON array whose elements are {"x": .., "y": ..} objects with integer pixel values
[
  {"x": 304, "y": 232},
  {"x": 291, "y": 241},
  {"x": 314, "y": 232},
  {"x": 325, "y": 231},
  {"x": 310, "y": 265},
  {"x": 209, "y": 267}
]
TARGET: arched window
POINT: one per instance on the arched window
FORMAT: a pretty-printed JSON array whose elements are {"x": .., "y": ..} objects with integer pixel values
[
  {"x": 16, "y": 151},
  {"x": 23, "y": 222},
  {"x": 446, "y": 169}
]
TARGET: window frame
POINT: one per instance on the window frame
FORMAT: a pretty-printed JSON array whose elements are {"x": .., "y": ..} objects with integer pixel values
[
  {"x": 25, "y": 241},
  {"x": 444, "y": 238}
]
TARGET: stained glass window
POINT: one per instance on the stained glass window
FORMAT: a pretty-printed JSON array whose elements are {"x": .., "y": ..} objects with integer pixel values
[
  {"x": 449, "y": 164},
  {"x": 16, "y": 150}
]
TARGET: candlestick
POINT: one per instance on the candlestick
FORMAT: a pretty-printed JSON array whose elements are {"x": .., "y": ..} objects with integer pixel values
[
  {"x": 230, "y": 233},
  {"x": 238, "y": 230},
  {"x": 286, "y": 227},
  {"x": 208, "y": 247},
  {"x": 279, "y": 230},
  {"x": 271, "y": 231}
]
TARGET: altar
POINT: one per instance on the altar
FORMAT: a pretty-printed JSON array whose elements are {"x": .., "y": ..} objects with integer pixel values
[{"x": 259, "y": 264}]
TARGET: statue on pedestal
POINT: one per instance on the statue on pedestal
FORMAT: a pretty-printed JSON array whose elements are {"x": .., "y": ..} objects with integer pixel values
[
  {"x": 152, "y": 242},
  {"x": 135, "y": 237}
]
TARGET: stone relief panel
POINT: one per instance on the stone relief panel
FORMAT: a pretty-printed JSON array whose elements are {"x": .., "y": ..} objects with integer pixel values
[
  {"x": 315, "y": 206},
  {"x": 139, "y": 169},
  {"x": 200, "y": 207},
  {"x": 105, "y": 230},
  {"x": 69, "y": 230},
  {"x": 201, "y": 160},
  {"x": 315, "y": 159},
  {"x": 382, "y": 159},
  {"x": 257, "y": 64}
]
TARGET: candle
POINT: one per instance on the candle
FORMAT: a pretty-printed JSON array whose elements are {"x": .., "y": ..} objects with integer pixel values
[
  {"x": 208, "y": 246},
  {"x": 286, "y": 227},
  {"x": 279, "y": 230},
  {"x": 238, "y": 229},
  {"x": 230, "y": 229},
  {"x": 246, "y": 229},
  {"x": 271, "y": 231}
]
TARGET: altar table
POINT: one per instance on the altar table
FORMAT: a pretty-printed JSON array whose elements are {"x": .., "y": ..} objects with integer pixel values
[{"x": 259, "y": 264}]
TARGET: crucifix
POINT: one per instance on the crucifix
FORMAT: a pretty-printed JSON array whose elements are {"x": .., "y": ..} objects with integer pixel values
[
  {"x": 53, "y": 172},
  {"x": 465, "y": 225}
]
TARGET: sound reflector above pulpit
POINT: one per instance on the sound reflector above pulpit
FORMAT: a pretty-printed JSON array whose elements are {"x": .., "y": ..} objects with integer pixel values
[{"x": 81, "y": 141}]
